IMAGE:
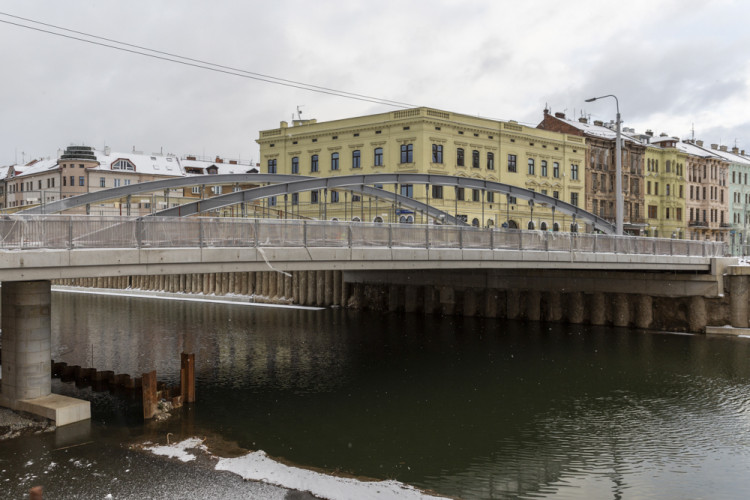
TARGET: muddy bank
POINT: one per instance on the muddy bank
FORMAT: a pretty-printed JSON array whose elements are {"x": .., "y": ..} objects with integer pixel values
[{"x": 14, "y": 424}]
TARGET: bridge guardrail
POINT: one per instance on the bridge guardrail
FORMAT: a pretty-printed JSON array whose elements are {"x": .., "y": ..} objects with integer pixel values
[{"x": 18, "y": 232}]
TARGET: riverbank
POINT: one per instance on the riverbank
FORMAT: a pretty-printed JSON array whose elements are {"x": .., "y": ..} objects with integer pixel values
[{"x": 15, "y": 424}]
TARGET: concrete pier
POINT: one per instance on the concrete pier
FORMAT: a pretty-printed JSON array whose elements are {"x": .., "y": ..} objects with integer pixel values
[{"x": 26, "y": 382}]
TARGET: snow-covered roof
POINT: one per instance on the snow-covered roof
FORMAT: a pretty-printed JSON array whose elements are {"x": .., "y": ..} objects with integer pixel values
[
  {"x": 692, "y": 149},
  {"x": 729, "y": 156},
  {"x": 153, "y": 164},
  {"x": 221, "y": 167},
  {"x": 601, "y": 131}
]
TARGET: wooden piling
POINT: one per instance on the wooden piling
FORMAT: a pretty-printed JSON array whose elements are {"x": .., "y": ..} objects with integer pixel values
[
  {"x": 149, "y": 394},
  {"x": 187, "y": 377}
]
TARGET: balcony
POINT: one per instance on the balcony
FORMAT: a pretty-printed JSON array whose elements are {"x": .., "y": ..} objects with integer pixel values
[{"x": 698, "y": 223}]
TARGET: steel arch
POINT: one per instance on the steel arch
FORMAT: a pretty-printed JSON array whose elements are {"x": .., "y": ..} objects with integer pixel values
[{"x": 295, "y": 183}]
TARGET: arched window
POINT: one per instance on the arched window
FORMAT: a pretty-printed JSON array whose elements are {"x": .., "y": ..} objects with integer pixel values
[
  {"x": 356, "y": 219},
  {"x": 556, "y": 227},
  {"x": 530, "y": 225},
  {"x": 475, "y": 222},
  {"x": 543, "y": 226},
  {"x": 573, "y": 227},
  {"x": 378, "y": 219},
  {"x": 512, "y": 224}
]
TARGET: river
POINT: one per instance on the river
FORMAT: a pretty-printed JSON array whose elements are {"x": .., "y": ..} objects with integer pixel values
[{"x": 465, "y": 407}]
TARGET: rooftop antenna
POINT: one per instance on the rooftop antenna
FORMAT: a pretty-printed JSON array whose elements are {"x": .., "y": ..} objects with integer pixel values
[
  {"x": 692, "y": 132},
  {"x": 299, "y": 111}
]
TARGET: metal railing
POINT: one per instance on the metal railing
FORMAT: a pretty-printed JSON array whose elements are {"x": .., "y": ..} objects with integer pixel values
[{"x": 18, "y": 232}]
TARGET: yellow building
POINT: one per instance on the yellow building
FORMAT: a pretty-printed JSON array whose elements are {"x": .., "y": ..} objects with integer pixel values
[
  {"x": 429, "y": 141},
  {"x": 665, "y": 188}
]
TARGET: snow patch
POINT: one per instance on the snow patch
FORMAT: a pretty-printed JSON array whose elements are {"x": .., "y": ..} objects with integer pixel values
[
  {"x": 257, "y": 466},
  {"x": 178, "y": 450}
]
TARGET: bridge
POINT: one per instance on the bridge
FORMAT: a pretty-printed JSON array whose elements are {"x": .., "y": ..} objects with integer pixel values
[
  {"x": 282, "y": 185},
  {"x": 430, "y": 268}
]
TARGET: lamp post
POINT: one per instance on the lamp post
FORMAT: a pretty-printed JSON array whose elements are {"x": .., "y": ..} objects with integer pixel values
[{"x": 618, "y": 168}]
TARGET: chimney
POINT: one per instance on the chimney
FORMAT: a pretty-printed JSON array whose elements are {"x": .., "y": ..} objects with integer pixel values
[
  {"x": 735, "y": 150},
  {"x": 599, "y": 123},
  {"x": 650, "y": 133},
  {"x": 723, "y": 148},
  {"x": 560, "y": 115},
  {"x": 714, "y": 146},
  {"x": 233, "y": 162},
  {"x": 662, "y": 135},
  {"x": 699, "y": 143},
  {"x": 219, "y": 160},
  {"x": 583, "y": 119},
  {"x": 190, "y": 157},
  {"x": 284, "y": 125}
]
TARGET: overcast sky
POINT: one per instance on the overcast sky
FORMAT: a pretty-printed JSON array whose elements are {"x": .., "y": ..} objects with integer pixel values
[{"x": 673, "y": 64}]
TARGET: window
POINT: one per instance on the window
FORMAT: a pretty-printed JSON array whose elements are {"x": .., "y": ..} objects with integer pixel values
[
  {"x": 295, "y": 198},
  {"x": 356, "y": 197},
  {"x": 460, "y": 194},
  {"x": 460, "y": 157},
  {"x": 437, "y": 192},
  {"x": 652, "y": 211},
  {"x": 81, "y": 181},
  {"x": 295, "y": 165},
  {"x": 65, "y": 182},
  {"x": 407, "y": 190},
  {"x": 334, "y": 161},
  {"x": 39, "y": 184},
  {"x": 272, "y": 201},
  {"x": 123, "y": 165},
  {"x": 490, "y": 161},
  {"x": 574, "y": 199},
  {"x": 511, "y": 163},
  {"x": 314, "y": 163},
  {"x": 72, "y": 181},
  {"x": 475, "y": 159},
  {"x": 490, "y": 197},
  {"x": 196, "y": 190},
  {"x": 531, "y": 166},
  {"x": 437, "y": 153},
  {"x": 378, "y": 157},
  {"x": 314, "y": 196},
  {"x": 407, "y": 153},
  {"x": 102, "y": 182},
  {"x": 574, "y": 172},
  {"x": 334, "y": 196},
  {"x": 356, "y": 159},
  {"x": 556, "y": 195},
  {"x": 271, "y": 166},
  {"x": 544, "y": 168},
  {"x": 475, "y": 195},
  {"x": 556, "y": 170}
]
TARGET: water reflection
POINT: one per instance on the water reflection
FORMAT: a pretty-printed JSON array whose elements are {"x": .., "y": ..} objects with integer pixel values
[{"x": 465, "y": 406}]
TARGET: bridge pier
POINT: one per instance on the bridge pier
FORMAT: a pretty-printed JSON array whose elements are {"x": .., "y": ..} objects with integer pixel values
[
  {"x": 598, "y": 307},
  {"x": 739, "y": 292},
  {"x": 576, "y": 308},
  {"x": 27, "y": 339},
  {"x": 621, "y": 310},
  {"x": 644, "y": 311}
]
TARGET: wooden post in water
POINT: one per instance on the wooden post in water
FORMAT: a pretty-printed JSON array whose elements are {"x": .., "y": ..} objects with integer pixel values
[
  {"x": 149, "y": 394},
  {"x": 187, "y": 377},
  {"x": 35, "y": 493}
]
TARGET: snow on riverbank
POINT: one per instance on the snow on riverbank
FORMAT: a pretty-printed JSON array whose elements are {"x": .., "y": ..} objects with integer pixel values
[{"x": 257, "y": 466}]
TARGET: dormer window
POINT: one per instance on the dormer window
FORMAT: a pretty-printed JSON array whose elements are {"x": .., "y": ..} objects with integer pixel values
[{"x": 123, "y": 165}]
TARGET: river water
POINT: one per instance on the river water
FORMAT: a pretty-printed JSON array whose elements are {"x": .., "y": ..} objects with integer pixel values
[{"x": 465, "y": 407}]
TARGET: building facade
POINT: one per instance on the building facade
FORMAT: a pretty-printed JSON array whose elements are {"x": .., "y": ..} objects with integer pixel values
[
  {"x": 430, "y": 141},
  {"x": 600, "y": 169}
]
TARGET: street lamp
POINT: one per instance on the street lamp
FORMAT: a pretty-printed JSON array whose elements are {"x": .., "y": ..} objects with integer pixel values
[{"x": 618, "y": 168}]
